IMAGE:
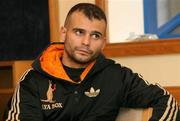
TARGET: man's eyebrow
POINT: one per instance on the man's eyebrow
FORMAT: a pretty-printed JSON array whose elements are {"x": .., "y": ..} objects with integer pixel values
[
  {"x": 75, "y": 29},
  {"x": 97, "y": 32}
]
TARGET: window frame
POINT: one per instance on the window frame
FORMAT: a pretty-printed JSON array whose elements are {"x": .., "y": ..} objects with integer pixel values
[{"x": 151, "y": 23}]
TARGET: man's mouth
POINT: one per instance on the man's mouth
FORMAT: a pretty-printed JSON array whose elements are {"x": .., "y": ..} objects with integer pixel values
[{"x": 84, "y": 51}]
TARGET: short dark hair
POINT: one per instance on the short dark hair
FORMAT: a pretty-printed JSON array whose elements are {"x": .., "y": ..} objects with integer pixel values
[{"x": 90, "y": 10}]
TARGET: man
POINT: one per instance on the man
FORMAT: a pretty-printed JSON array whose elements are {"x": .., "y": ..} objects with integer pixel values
[{"x": 73, "y": 81}]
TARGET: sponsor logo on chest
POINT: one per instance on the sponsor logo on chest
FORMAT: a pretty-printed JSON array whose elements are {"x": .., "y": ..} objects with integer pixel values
[
  {"x": 92, "y": 92},
  {"x": 49, "y": 103},
  {"x": 51, "y": 106}
]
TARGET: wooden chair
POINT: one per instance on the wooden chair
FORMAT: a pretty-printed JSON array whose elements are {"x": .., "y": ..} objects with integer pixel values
[{"x": 128, "y": 114}]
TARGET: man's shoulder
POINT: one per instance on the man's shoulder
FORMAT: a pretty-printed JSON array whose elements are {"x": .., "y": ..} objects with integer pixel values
[{"x": 31, "y": 75}]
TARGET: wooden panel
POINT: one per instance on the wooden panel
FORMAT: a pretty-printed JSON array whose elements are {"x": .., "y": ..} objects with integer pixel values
[
  {"x": 175, "y": 91},
  {"x": 101, "y": 4},
  {"x": 6, "y": 91},
  {"x": 6, "y": 77},
  {"x": 6, "y": 63},
  {"x": 54, "y": 20},
  {"x": 3, "y": 103},
  {"x": 155, "y": 47},
  {"x": 18, "y": 69}
]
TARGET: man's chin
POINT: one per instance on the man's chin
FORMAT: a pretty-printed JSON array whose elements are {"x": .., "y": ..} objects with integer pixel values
[{"x": 83, "y": 60}]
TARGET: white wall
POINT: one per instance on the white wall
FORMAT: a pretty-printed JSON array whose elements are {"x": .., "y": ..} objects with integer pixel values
[{"x": 125, "y": 16}]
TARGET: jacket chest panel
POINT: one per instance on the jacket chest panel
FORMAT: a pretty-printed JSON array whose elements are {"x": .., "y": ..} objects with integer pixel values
[{"x": 84, "y": 99}]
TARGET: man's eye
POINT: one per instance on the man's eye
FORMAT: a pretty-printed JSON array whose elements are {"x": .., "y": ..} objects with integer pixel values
[
  {"x": 78, "y": 32},
  {"x": 96, "y": 36}
]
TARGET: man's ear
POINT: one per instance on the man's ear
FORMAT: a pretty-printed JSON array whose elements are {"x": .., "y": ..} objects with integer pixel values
[{"x": 63, "y": 33}]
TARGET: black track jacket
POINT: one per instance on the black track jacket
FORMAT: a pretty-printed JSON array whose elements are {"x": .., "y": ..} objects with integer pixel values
[{"x": 46, "y": 93}]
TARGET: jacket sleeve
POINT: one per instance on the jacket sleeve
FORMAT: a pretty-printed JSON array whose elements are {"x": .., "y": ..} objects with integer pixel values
[
  {"x": 141, "y": 94},
  {"x": 25, "y": 104}
]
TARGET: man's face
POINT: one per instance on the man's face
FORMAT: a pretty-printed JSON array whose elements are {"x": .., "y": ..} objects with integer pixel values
[{"x": 83, "y": 38}]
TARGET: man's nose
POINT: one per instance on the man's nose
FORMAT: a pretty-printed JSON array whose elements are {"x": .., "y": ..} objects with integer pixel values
[{"x": 86, "y": 40}]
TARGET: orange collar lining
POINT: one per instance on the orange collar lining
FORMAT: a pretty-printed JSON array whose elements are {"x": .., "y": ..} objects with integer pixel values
[{"x": 51, "y": 64}]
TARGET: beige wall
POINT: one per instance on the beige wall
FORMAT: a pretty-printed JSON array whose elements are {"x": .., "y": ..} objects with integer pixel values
[{"x": 162, "y": 69}]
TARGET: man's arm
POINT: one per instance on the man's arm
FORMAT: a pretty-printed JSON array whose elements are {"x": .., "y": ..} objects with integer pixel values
[
  {"x": 25, "y": 104},
  {"x": 141, "y": 94}
]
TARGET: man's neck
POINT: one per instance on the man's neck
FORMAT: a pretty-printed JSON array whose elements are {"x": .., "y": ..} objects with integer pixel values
[
  {"x": 73, "y": 73},
  {"x": 72, "y": 64}
]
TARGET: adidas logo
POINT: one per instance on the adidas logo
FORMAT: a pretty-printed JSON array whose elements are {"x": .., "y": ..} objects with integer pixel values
[{"x": 92, "y": 92}]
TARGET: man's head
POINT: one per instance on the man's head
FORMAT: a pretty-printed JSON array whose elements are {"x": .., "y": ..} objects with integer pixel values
[
  {"x": 83, "y": 34},
  {"x": 91, "y": 11}
]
